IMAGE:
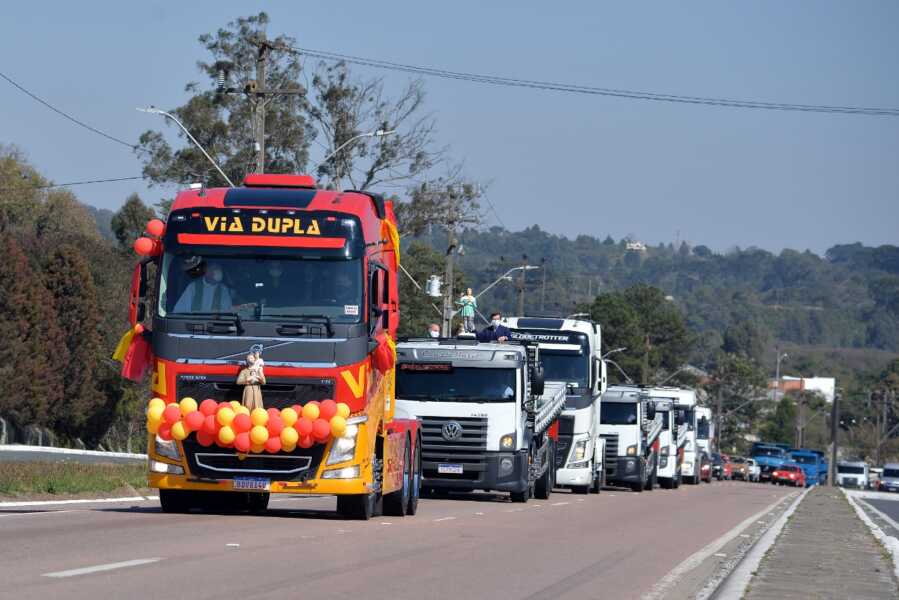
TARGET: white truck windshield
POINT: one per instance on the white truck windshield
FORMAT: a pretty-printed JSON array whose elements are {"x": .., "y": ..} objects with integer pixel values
[
  {"x": 445, "y": 383},
  {"x": 618, "y": 413}
]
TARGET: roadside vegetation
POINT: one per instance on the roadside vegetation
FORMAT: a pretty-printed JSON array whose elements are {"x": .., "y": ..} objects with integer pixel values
[{"x": 27, "y": 479}]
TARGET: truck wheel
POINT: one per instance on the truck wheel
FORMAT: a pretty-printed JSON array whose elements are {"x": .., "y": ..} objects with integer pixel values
[
  {"x": 651, "y": 480},
  {"x": 358, "y": 506},
  {"x": 412, "y": 507},
  {"x": 175, "y": 501},
  {"x": 677, "y": 479},
  {"x": 257, "y": 503},
  {"x": 520, "y": 497},
  {"x": 543, "y": 487},
  {"x": 596, "y": 488},
  {"x": 395, "y": 503},
  {"x": 637, "y": 487}
]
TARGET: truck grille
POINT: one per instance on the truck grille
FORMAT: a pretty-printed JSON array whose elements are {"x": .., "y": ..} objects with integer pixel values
[
  {"x": 611, "y": 454},
  {"x": 563, "y": 445},
  {"x": 225, "y": 463},
  {"x": 468, "y": 450},
  {"x": 278, "y": 392}
]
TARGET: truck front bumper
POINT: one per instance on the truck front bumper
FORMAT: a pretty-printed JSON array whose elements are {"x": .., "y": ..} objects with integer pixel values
[
  {"x": 628, "y": 470},
  {"x": 667, "y": 466},
  {"x": 688, "y": 467},
  {"x": 500, "y": 471},
  {"x": 580, "y": 476}
]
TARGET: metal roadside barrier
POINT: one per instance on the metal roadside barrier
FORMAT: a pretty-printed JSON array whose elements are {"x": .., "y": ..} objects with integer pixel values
[{"x": 23, "y": 453}]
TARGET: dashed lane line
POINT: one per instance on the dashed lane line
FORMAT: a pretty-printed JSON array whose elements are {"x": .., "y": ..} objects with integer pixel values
[
  {"x": 105, "y": 567},
  {"x": 444, "y": 519}
]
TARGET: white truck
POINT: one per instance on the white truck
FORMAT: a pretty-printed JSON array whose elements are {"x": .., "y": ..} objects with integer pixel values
[
  {"x": 685, "y": 403},
  {"x": 487, "y": 418},
  {"x": 672, "y": 439},
  {"x": 705, "y": 430},
  {"x": 852, "y": 474},
  {"x": 630, "y": 427},
  {"x": 570, "y": 351}
]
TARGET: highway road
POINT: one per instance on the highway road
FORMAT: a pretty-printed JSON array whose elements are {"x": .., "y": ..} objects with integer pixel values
[{"x": 615, "y": 545}]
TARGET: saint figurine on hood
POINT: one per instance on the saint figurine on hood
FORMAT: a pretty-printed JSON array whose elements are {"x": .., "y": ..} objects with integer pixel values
[{"x": 252, "y": 378}]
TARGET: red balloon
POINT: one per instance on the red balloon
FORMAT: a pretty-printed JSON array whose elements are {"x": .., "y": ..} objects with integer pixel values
[
  {"x": 156, "y": 227},
  {"x": 210, "y": 425},
  {"x": 298, "y": 408},
  {"x": 273, "y": 412},
  {"x": 303, "y": 427},
  {"x": 321, "y": 430},
  {"x": 205, "y": 439},
  {"x": 171, "y": 414},
  {"x": 195, "y": 420},
  {"x": 165, "y": 432},
  {"x": 144, "y": 246},
  {"x": 273, "y": 445},
  {"x": 315, "y": 402},
  {"x": 208, "y": 407},
  {"x": 327, "y": 408},
  {"x": 305, "y": 442},
  {"x": 274, "y": 426},
  {"x": 241, "y": 423},
  {"x": 242, "y": 442}
]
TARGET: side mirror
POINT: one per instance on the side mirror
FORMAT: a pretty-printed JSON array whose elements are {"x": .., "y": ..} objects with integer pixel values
[
  {"x": 650, "y": 411},
  {"x": 679, "y": 418},
  {"x": 136, "y": 308},
  {"x": 537, "y": 382}
]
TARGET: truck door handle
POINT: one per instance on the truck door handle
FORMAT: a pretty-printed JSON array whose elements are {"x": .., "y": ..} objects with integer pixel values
[
  {"x": 221, "y": 328},
  {"x": 291, "y": 329}
]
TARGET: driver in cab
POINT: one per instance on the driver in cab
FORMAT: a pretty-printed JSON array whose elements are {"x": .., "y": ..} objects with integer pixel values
[{"x": 208, "y": 293}]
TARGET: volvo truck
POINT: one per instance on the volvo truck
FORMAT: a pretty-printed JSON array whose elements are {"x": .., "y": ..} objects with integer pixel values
[
  {"x": 630, "y": 427},
  {"x": 672, "y": 440},
  {"x": 570, "y": 351},
  {"x": 489, "y": 422}
]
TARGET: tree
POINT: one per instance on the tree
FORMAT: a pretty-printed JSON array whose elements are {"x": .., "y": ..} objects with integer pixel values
[
  {"x": 130, "y": 221},
  {"x": 33, "y": 352},
  {"x": 417, "y": 308},
  {"x": 69, "y": 283},
  {"x": 779, "y": 426},
  {"x": 745, "y": 339},
  {"x": 738, "y": 383}
]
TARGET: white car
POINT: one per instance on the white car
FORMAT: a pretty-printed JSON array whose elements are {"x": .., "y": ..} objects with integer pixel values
[{"x": 753, "y": 470}]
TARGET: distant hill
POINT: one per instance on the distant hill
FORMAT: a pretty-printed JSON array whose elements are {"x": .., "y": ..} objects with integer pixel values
[{"x": 103, "y": 217}]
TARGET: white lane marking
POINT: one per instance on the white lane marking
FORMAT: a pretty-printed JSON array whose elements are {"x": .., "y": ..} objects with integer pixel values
[
  {"x": 38, "y": 512},
  {"x": 736, "y": 584},
  {"x": 386, "y": 523},
  {"x": 889, "y": 542},
  {"x": 667, "y": 583},
  {"x": 514, "y": 510},
  {"x": 106, "y": 567},
  {"x": 480, "y": 514},
  {"x": 232, "y": 545},
  {"x": 560, "y": 503},
  {"x": 444, "y": 519},
  {"x": 79, "y": 501},
  {"x": 720, "y": 555}
]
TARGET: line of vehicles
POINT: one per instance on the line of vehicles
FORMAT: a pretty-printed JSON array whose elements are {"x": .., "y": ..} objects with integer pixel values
[
  {"x": 307, "y": 280},
  {"x": 858, "y": 474}
]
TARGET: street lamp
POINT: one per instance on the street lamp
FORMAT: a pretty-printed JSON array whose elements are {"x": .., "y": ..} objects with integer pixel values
[
  {"x": 777, "y": 373},
  {"x": 156, "y": 111},
  {"x": 615, "y": 351},
  {"x": 506, "y": 276},
  {"x": 375, "y": 133},
  {"x": 627, "y": 378}
]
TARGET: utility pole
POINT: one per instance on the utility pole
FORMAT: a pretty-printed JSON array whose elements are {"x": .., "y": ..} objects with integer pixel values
[
  {"x": 834, "y": 439},
  {"x": 543, "y": 287},
  {"x": 448, "y": 293},
  {"x": 261, "y": 56},
  {"x": 718, "y": 409},
  {"x": 524, "y": 268}
]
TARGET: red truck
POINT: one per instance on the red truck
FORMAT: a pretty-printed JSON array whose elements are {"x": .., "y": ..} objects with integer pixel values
[{"x": 304, "y": 279}]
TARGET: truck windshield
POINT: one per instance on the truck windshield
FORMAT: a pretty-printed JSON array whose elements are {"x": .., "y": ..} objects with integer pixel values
[
  {"x": 455, "y": 384},
  {"x": 768, "y": 451},
  {"x": 570, "y": 367},
  {"x": 702, "y": 429},
  {"x": 851, "y": 470},
  {"x": 258, "y": 287},
  {"x": 892, "y": 473},
  {"x": 618, "y": 413},
  {"x": 804, "y": 459}
]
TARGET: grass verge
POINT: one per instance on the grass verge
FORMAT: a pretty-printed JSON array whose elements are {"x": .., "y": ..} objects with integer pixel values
[{"x": 19, "y": 479}]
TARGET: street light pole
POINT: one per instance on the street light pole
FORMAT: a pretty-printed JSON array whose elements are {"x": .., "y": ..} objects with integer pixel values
[
  {"x": 524, "y": 268},
  {"x": 834, "y": 439},
  {"x": 337, "y": 176}
]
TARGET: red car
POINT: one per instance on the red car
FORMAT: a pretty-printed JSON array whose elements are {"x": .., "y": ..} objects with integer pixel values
[
  {"x": 705, "y": 468},
  {"x": 727, "y": 467},
  {"x": 789, "y": 475}
]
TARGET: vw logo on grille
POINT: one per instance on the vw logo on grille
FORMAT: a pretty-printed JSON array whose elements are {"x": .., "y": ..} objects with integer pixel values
[{"x": 452, "y": 431}]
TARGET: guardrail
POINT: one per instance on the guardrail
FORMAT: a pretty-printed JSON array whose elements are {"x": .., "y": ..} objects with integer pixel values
[{"x": 23, "y": 453}]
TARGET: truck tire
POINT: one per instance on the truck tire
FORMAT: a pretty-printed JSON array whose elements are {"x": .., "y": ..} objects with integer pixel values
[
  {"x": 412, "y": 507},
  {"x": 256, "y": 503},
  {"x": 359, "y": 506},
  {"x": 677, "y": 479},
  {"x": 175, "y": 501},
  {"x": 596, "y": 487},
  {"x": 520, "y": 497},
  {"x": 544, "y": 486},
  {"x": 651, "y": 480},
  {"x": 395, "y": 503},
  {"x": 637, "y": 487}
]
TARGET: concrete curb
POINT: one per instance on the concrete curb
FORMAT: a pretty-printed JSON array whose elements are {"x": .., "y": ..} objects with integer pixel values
[
  {"x": 26, "y": 503},
  {"x": 69, "y": 452},
  {"x": 888, "y": 541},
  {"x": 734, "y": 586}
]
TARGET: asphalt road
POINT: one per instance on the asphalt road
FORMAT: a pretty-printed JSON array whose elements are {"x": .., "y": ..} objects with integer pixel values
[
  {"x": 615, "y": 545},
  {"x": 888, "y": 507}
]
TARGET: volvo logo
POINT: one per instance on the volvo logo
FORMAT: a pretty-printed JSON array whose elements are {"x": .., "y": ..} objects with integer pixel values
[{"x": 452, "y": 431}]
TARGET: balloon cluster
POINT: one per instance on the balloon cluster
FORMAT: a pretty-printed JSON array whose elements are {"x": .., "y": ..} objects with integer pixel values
[{"x": 232, "y": 425}]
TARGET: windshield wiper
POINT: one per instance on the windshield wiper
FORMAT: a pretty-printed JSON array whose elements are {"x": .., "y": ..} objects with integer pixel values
[
  {"x": 238, "y": 323},
  {"x": 293, "y": 317}
]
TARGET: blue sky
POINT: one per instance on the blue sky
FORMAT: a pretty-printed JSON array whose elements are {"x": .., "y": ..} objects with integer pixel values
[{"x": 571, "y": 164}]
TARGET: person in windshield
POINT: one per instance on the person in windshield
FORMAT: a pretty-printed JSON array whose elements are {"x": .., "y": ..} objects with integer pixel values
[
  {"x": 208, "y": 293},
  {"x": 434, "y": 330},
  {"x": 275, "y": 290},
  {"x": 496, "y": 331}
]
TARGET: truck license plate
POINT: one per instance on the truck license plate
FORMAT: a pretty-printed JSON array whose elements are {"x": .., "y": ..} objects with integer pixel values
[
  {"x": 449, "y": 469},
  {"x": 252, "y": 483}
]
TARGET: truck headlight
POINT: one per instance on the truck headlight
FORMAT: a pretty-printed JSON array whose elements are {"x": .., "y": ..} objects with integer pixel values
[
  {"x": 580, "y": 450},
  {"x": 632, "y": 450},
  {"x": 344, "y": 448},
  {"x": 167, "y": 448},
  {"x": 507, "y": 442},
  {"x": 161, "y": 467},
  {"x": 663, "y": 461},
  {"x": 344, "y": 473}
]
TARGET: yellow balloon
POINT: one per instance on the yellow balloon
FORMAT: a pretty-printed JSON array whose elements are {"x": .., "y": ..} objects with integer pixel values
[
  {"x": 259, "y": 417},
  {"x": 154, "y": 413},
  {"x": 235, "y": 405},
  {"x": 243, "y": 410},
  {"x": 226, "y": 435},
  {"x": 187, "y": 405},
  {"x": 343, "y": 409},
  {"x": 180, "y": 430},
  {"x": 156, "y": 402},
  {"x": 289, "y": 416},
  {"x": 310, "y": 411},
  {"x": 258, "y": 435},
  {"x": 256, "y": 449},
  {"x": 153, "y": 426},
  {"x": 224, "y": 416},
  {"x": 289, "y": 437},
  {"x": 338, "y": 426},
  {"x": 289, "y": 448}
]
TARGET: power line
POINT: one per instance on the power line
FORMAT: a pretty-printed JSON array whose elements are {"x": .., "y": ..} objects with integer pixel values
[
  {"x": 596, "y": 91},
  {"x": 70, "y": 183},
  {"x": 65, "y": 114},
  {"x": 495, "y": 214}
]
